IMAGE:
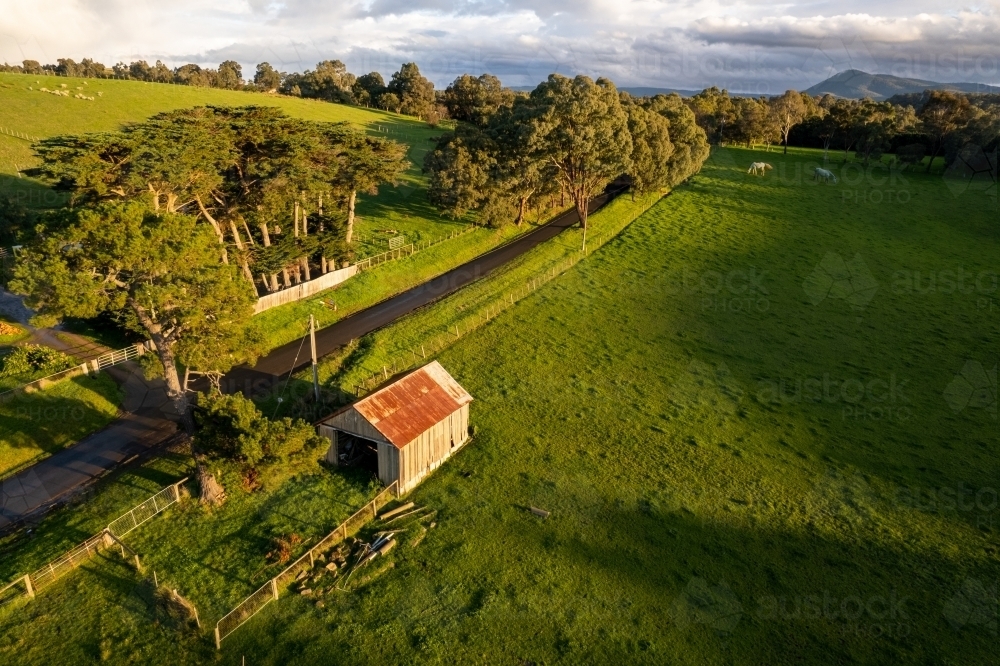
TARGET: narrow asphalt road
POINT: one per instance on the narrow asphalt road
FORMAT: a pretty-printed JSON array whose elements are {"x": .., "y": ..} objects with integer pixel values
[
  {"x": 149, "y": 419},
  {"x": 272, "y": 369}
]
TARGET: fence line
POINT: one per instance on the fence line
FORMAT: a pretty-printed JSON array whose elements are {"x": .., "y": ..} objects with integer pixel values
[
  {"x": 269, "y": 591},
  {"x": 141, "y": 513},
  {"x": 109, "y": 536},
  {"x": 478, "y": 319},
  {"x": 18, "y": 135},
  {"x": 97, "y": 364},
  {"x": 333, "y": 278},
  {"x": 303, "y": 289},
  {"x": 484, "y": 315},
  {"x": 408, "y": 249}
]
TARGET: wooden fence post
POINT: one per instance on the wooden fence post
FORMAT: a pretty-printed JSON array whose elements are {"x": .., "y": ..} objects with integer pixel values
[
  {"x": 218, "y": 641},
  {"x": 27, "y": 584},
  {"x": 274, "y": 588}
]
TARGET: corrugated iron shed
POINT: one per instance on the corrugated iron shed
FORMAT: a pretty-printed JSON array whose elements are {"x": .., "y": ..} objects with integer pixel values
[{"x": 408, "y": 407}]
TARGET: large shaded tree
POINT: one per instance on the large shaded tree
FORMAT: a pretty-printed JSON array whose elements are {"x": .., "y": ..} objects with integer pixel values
[
  {"x": 942, "y": 114},
  {"x": 690, "y": 144},
  {"x": 475, "y": 99},
  {"x": 651, "y": 149},
  {"x": 580, "y": 132},
  {"x": 414, "y": 92},
  {"x": 161, "y": 269}
]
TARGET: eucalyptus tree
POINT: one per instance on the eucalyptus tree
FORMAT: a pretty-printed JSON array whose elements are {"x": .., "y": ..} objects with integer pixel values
[
  {"x": 579, "y": 131},
  {"x": 475, "y": 99},
  {"x": 789, "y": 109},
  {"x": 690, "y": 144},
  {"x": 652, "y": 149},
  {"x": 414, "y": 92}
]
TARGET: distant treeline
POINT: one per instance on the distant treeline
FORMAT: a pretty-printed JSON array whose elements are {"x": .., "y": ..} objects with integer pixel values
[{"x": 911, "y": 127}]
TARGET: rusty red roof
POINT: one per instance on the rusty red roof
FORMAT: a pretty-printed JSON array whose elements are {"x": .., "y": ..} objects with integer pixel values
[{"x": 404, "y": 409}]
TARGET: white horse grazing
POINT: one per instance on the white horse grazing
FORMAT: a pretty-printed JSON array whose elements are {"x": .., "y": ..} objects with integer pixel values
[
  {"x": 824, "y": 174},
  {"x": 759, "y": 168}
]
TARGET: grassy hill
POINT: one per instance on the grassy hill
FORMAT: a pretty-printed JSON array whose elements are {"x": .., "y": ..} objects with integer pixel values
[{"x": 25, "y": 109}]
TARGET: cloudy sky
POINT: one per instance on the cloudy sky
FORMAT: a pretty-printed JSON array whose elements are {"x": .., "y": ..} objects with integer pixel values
[{"x": 744, "y": 45}]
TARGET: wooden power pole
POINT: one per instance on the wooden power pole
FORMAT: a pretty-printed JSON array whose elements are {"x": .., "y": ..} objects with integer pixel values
[{"x": 312, "y": 345}]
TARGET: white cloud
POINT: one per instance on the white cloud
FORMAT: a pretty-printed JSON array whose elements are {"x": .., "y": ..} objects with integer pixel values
[{"x": 741, "y": 44}]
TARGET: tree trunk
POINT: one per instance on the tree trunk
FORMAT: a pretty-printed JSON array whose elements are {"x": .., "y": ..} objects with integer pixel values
[
  {"x": 165, "y": 352},
  {"x": 288, "y": 280},
  {"x": 296, "y": 222},
  {"x": 267, "y": 236},
  {"x": 250, "y": 239},
  {"x": 520, "y": 211},
  {"x": 930, "y": 162},
  {"x": 581, "y": 201},
  {"x": 350, "y": 215},
  {"x": 211, "y": 220},
  {"x": 305, "y": 267}
]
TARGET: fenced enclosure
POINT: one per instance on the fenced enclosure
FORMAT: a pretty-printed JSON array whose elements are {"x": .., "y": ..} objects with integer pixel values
[
  {"x": 269, "y": 591},
  {"x": 96, "y": 364},
  {"x": 110, "y": 536}
]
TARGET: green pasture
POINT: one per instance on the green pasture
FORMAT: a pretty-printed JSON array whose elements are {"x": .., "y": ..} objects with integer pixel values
[
  {"x": 27, "y": 110},
  {"x": 763, "y": 418}
]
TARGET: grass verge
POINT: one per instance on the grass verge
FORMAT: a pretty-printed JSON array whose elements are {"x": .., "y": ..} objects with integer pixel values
[{"x": 35, "y": 425}]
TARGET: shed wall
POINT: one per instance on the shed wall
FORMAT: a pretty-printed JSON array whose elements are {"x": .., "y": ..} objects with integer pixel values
[
  {"x": 425, "y": 453},
  {"x": 350, "y": 421},
  {"x": 414, "y": 461}
]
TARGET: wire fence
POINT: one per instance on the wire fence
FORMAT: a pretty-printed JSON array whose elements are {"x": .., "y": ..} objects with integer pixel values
[
  {"x": 470, "y": 322},
  {"x": 108, "y": 537},
  {"x": 19, "y": 135},
  {"x": 269, "y": 591},
  {"x": 407, "y": 249},
  {"x": 138, "y": 515}
]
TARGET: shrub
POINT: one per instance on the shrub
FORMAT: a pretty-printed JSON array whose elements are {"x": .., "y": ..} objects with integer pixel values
[
  {"x": 30, "y": 359},
  {"x": 232, "y": 428}
]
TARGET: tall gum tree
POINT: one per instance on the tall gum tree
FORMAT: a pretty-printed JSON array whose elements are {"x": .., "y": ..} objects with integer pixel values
[{"x": 580, "y": 131}]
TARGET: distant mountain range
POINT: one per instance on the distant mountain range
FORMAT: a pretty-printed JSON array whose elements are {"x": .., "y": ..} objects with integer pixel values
[
  {"x": 855, "y": 84},
  {"x": 644, "y": 91},
  {"x": 851, "y": 83}
]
